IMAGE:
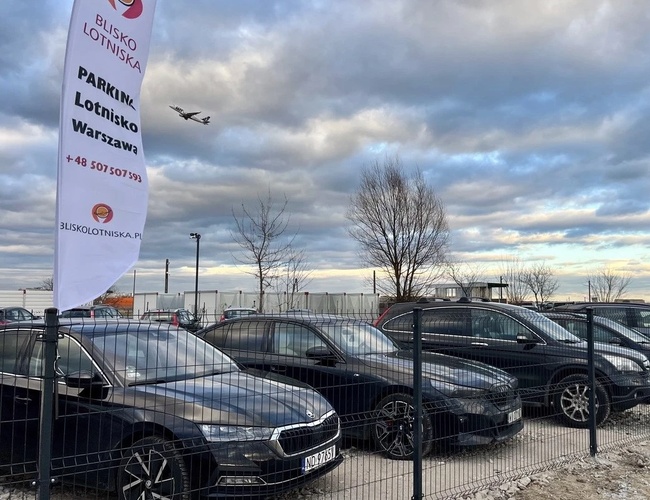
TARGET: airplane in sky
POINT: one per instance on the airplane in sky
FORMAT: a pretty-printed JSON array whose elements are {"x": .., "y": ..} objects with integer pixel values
[{"x": 191, "y": 115}]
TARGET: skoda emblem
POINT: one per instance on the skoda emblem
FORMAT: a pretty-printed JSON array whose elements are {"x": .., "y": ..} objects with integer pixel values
[{"x": 310, "y": 414}]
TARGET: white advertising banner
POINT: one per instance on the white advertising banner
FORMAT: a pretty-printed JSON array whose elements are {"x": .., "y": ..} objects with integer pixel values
[{"x": 102, "y": 189}]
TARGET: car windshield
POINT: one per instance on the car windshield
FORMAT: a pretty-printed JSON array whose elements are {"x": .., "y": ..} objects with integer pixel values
[
  {"x": 142, "y": 356},
  {"x": 357, "y": 338},
  {"x": 633, "y": 335},
  {"x": 549, "y": 327}
]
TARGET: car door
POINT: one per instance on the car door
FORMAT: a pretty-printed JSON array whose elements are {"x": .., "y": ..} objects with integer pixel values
[
  {"x": 245, "y": 341},
  {"x": 20, "y": 397},
  {"x": 293, "y": 345},
  {"x": 83, "y": 428},
  {"x": 489, "y": 336}
]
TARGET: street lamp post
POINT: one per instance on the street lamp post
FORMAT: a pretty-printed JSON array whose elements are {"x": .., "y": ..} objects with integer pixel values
[{"x": 197, "y": 237}]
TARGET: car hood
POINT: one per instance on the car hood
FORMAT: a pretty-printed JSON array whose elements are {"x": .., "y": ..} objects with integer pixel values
[
  {"x": 441, "y": 368},
  {"x": 234, "y": 398},
  {"x": 617, "y": 350}
]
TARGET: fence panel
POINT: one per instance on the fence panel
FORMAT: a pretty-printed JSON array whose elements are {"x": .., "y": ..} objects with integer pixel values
[{"x": 316, "y": 406}]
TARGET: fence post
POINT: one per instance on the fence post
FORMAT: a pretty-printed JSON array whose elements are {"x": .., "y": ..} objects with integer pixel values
[
  {"x": 593, "y": 443},
  {"x": 50, "y": 340},
  {"x": 417, "y": 403}
]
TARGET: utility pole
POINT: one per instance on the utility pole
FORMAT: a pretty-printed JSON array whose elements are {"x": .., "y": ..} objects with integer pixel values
[{"x": 166, "y": 275}]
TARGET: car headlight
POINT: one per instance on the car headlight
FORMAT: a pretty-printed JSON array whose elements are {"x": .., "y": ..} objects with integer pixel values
[
  {"x": 233, "y": 433},
  {"x": 623, "y": 364},
  {"x": 456, "y": 391}
]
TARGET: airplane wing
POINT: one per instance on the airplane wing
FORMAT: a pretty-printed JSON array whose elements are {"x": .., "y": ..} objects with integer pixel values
[{"x": 193, "y": 113}]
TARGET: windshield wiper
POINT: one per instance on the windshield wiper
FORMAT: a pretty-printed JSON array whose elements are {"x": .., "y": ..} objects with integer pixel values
[{"x": 148, "y": 382}]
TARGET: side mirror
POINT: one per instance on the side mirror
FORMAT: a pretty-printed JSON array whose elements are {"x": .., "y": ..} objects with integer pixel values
[
  {"x": 321, "y": 353},
  {"x": 83, "y": 380},
  {"x": 615, "y": 341},
  {"x": 526, "y": 338}
]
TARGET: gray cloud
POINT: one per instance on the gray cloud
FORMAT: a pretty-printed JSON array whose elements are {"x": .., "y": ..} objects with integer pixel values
[{"x": 530, "y": 121}]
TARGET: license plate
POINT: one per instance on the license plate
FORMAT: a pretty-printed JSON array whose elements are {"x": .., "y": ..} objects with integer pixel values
[
  {"x": 513, "y": 416},
  {"x": 317, "y": 459}
]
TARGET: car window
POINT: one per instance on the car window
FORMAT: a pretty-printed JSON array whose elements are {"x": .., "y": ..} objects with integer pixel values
[
  {"x": 11, "y": 344},
  {"x": 13, "y": 315},
  {"x": 143, "y": 356},
  {"x": 490, "y": 324},
  {"x": 615, "y": 313},
  {"x": 579, "y": 329},
  {"x": 294, "y": 339},
  {"x": 356, "y": 337},
  {"x": 70, "y": 358},
  {"x": 245, "y": 336},
  {"x": 445, "y": 320},
  {"x": 400, "y": 323},
  {"x": 642, "y": 318}
]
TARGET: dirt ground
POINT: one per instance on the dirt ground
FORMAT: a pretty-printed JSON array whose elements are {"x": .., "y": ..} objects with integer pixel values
[
  {"x": 619, "y": 471},
  {"x": 615, "y": 474}
]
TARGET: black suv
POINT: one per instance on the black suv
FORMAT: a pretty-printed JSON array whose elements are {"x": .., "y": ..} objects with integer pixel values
[
  {"x": 631, "y": 314},
  {"x": 368, "y": 379},
  {"x": 549, "y": 361}
]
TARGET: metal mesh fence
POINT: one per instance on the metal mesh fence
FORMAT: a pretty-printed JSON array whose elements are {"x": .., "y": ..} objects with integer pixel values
[{"x": 306, "y": 405}]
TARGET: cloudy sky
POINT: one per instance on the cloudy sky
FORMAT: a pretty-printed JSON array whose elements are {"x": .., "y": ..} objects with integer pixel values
[{"x": 529, "y": 119}]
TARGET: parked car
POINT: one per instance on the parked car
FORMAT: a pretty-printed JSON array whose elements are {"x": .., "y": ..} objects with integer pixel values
[
  {"x": 148, "y": 411},
  {"x": 631, "y": 314},
  {"x": 605, "y": 330},
  {"x": 97, "y": 311},
  {"x": 369, "y": 380},
  {"x": 176, "y": 317},
  {"x": 549, "y": 361},
  {"x": 236, "y": 312},
  {"x": 10, "y": 314}
]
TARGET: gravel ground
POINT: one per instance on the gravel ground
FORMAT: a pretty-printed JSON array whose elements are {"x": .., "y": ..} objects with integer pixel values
[{"x": 557, "y": 459}]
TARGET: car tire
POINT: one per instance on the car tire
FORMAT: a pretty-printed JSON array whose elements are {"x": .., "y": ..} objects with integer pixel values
[
  {"x": 571, "y": 401},
  {"x": 393, "y": 430},
  {"x": 153, "y": 468}
]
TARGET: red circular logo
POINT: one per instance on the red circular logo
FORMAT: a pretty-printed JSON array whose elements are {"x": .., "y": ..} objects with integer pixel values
[
  {"x": 102, "y": 213},
  {"x": 133, "y": 8}
]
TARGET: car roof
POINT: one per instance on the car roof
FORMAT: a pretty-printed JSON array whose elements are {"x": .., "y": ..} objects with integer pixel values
[
  {"x": 426, "y": 304},
  {"x": 583, "y": 305},
  {"x": 308, "y": 317},
  {"x": 89, "y": 326}
]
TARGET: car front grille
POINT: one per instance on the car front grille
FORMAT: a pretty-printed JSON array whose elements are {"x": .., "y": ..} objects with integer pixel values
[
  {"x": 502, "y": 396},
  {"x": 298, "y": 439}
]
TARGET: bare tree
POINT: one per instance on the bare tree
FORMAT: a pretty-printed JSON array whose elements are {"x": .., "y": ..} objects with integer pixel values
[
  {"x": 402, "y": 227},
  {"x": 260, "y": 234},
  {"x": 466, "y": 276},
  {"x": 293, "y": 280},
  {"x": 608, "y": 285},
  {"x": 512, "y": 274},
  {"x": 540, "y": 281},
  {"x": 47, "y": 284}
]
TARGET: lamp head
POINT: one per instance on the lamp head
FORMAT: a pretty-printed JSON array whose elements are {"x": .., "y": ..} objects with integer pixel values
[{"x": 195, "y": 236}]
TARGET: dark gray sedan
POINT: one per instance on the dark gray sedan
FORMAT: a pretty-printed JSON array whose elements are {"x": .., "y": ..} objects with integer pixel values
[
  {"x": 150, "y": 411},
  {"x": 369, "y": 380}
]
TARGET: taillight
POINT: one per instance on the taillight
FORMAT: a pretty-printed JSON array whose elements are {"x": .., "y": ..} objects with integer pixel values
[
  {"x": 175, "y": 320},
  {"x": 378, "y": 320}
]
